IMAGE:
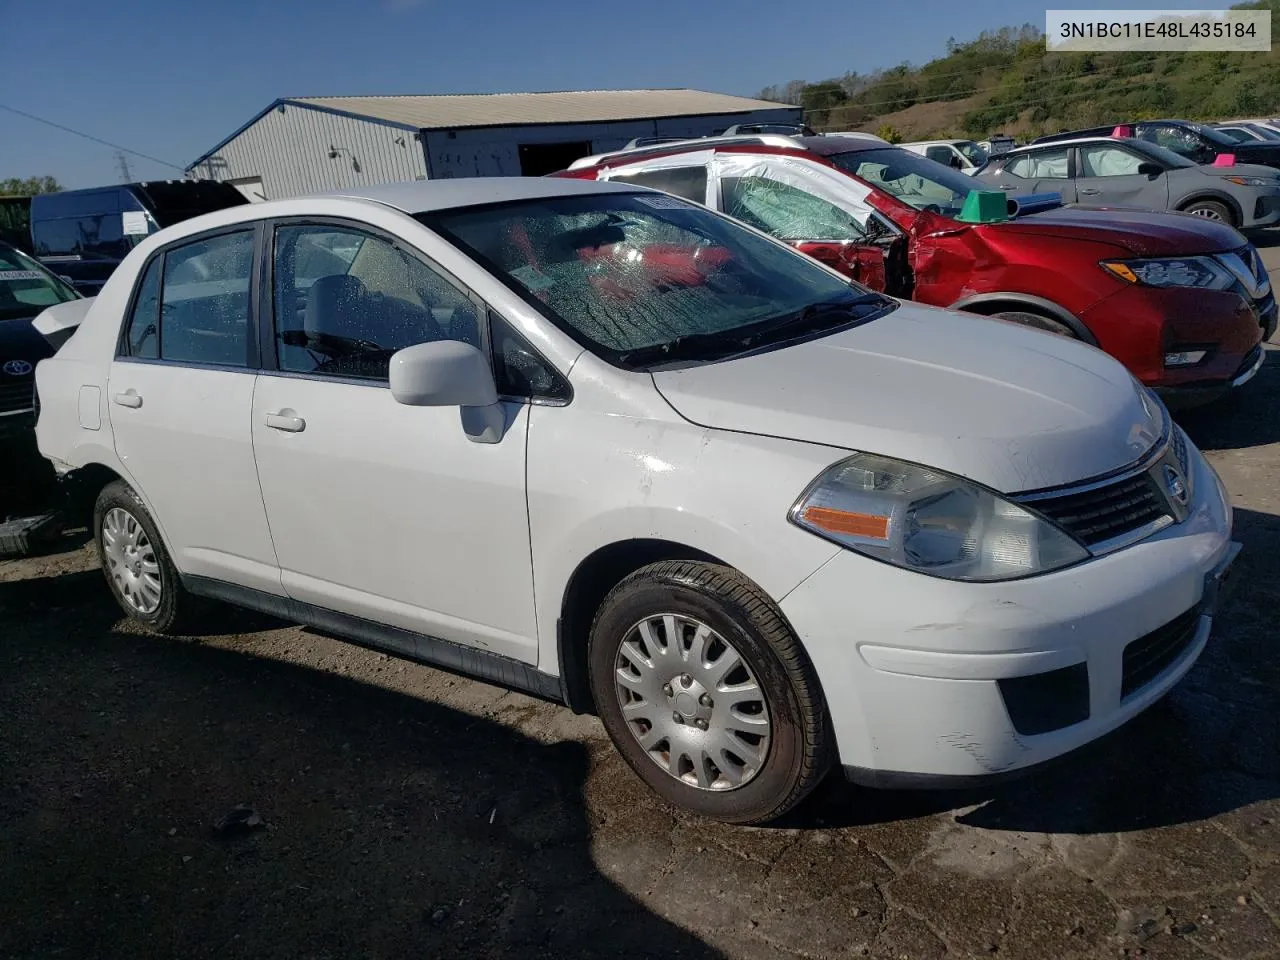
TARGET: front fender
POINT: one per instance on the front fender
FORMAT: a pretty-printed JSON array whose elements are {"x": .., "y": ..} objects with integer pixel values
[{"x": 596, "y": 479}]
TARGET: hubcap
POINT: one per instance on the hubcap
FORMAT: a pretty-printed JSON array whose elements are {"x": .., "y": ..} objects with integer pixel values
[
  {"x": 1207, "y": 214},
  {"x": 692, "y": 703},
  {"x": 131, "y": 560}
]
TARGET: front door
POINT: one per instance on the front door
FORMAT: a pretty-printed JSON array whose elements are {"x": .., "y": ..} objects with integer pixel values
[
  {"x": 784, "y": 204},
  {"x": 180, "y": 392},
  {"x": 380, "y": 510},
  {"x": 1108, "y": 173},
  {"x": 1047, "y": 170}
]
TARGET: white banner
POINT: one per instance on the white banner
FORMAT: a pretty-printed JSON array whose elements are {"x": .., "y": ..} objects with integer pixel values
[{"x": 1233, "y": 31}]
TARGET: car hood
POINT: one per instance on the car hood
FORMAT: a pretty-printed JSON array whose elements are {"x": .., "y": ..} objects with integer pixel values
[
  {"x": 1144, "y": 233},
  {"x": 1240, "y": 170},
  {"x": 1264, "y": 153},
  {"x": 1010, "y": 407},
  {"x": 20, "y": 341}
]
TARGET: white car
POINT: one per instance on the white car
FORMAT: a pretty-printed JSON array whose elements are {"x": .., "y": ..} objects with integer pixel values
[
  {"x": 963, "y": 155},
  {"x": 607, "y": 446}
]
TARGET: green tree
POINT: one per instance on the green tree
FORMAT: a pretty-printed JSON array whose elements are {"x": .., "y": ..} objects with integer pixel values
[
  {"x": 28, "y": 187},
  {"x": 889, "y": 132},
  {"x": 818, "y": 99}
]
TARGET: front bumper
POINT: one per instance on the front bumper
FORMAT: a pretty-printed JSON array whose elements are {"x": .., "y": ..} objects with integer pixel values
[
  {"x": 17, "y": 424},
  {"x": 1264, "y": 212},
  {"x": 921, "y": 674}
]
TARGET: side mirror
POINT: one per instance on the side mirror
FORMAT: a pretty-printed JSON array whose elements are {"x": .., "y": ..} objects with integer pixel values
[
  {"x": 443, "y": 373},
  {"x": 1148, "y": 169}
]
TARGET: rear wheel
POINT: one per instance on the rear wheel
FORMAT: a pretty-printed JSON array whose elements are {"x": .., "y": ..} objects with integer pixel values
[
  {"x": 1037, "y": 321},
  {"x": 139, "y": 572},
  {"x": 707, "y": 693},
  {"x": 1211, "y": 210}
]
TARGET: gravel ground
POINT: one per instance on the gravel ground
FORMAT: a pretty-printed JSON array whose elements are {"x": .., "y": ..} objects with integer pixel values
[{"x": 408, "y": 812}]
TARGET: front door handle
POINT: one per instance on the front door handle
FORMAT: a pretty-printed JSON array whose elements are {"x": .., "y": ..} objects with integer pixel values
[
  {"x": 129, "y": 398},
  {"x": 286, "y": 422},
  {"x": 1089, "y": 192},
  {"x": 1006, "y": 186}
]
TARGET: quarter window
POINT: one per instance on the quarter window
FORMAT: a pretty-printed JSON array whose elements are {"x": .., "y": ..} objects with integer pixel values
[
  {"x": 787, "y": 212},
  {"x": 142, "y": 336},
  {"x": 687, "y": 182},
  {"x": 345, "y": 301}
]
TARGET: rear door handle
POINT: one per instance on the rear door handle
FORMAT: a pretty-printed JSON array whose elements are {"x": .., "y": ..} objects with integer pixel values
[
  {"x": 129, "y": 398},
  {"x": 286, "y": 422},
  {"x": 1090, "y": 193},
  {"x": 1006, "y": 186}
]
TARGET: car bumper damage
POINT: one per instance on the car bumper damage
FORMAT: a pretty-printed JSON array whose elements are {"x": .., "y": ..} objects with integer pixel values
[{"x": 944, "y": 683}]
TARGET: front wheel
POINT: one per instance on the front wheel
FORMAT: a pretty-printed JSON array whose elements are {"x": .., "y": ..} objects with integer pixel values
[
  {"x": 1037, "y": 321},
  {"x": 139, "y": 572},
  {"x": 707, "y": 693},
  {"x": 1211, "y": 210}
]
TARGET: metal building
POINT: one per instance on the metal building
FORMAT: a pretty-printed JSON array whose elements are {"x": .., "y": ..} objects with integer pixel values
[{"x": 308, "y": 144}]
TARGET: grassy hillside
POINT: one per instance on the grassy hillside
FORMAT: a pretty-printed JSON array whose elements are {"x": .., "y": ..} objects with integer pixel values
[{"x": 1005, "y": 80}]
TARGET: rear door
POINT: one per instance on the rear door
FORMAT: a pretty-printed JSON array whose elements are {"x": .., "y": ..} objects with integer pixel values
[
  {"x": 807, "y": 208},
  {"x": 1108, "y": 173},
  {"x": 180, "y": 394},
  {"x": 1047, "y": 170}
]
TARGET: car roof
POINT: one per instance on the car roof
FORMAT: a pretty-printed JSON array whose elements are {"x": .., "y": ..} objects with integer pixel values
[
  {"x": 829, "y": 145},
  {"x": 421, "y": 196},
  {"x": 1054, "y": 144}
]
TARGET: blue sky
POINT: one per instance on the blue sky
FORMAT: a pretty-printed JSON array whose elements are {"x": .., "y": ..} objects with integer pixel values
[{"x": 172, "y": 79}]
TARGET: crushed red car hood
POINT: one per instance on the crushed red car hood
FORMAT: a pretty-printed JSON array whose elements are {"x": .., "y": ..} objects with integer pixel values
[{"x": 1145, "y": 233}]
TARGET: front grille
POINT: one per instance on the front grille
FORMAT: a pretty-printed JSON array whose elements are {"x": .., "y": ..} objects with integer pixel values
[
  {"x": 1094, "y": 516},
  {"x": 1147, "y": 657},
  {"x": 17, "y": 396}
]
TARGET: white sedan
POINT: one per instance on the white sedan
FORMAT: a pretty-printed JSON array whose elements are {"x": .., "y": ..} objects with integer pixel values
[{"x": 602, "y": 445}]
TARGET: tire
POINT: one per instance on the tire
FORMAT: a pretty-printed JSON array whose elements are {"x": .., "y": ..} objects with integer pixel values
[
  {"x": 144, "y": 581},
  {"x": 1037, "y": 321},
  {"x": 766, "y": 768},
  {"x": 1211, "y": 210}
]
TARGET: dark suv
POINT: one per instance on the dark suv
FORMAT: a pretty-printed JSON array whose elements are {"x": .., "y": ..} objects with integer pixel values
[
  {"x": 84, "y": 234},
  {"x": 1195, "y": 141}
]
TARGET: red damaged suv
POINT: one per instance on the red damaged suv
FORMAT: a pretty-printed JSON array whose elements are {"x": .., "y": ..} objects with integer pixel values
[{"x": 1182, "y": 301}]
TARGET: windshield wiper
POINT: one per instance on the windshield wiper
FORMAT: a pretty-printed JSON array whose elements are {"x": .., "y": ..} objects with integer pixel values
[
  {"x": 724, "y": 343},
  {"x": 818, "y": 316}
]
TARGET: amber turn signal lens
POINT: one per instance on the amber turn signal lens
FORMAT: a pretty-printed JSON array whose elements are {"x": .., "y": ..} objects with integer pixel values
[{"x": 850, "y": 524}]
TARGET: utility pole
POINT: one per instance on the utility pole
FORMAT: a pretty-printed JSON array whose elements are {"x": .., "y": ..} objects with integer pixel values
[{"x": 122, "y": 164}]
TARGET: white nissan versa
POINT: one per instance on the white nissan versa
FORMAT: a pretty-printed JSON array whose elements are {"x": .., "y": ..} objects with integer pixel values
[{"x": 603, "y": 445}]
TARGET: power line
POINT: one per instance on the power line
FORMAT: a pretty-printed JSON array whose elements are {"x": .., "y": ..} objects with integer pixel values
[{"x": 87, "y": 136}]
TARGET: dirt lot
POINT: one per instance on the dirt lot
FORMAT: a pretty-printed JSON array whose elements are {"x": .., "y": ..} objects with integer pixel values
[{"x": 411, "y": 813}]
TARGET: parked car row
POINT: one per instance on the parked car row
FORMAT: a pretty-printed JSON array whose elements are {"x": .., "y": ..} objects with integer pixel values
[
  {"x": 1183, "y": 302},
  {"x": 608, "y": 446}
]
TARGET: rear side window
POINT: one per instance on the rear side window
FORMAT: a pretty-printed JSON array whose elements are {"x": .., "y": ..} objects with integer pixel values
[
  {"x": 687, "y": 182},
  {"x": 939, "y": 154},
  {"x": 1041, "y": 165},
  {"x": 192, "y": 304},
  {"x": 787, "y": 212}
]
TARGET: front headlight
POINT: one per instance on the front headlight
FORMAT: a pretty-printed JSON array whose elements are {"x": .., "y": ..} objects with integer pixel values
[
  {"x": 1203, "y": 272},
  {"x": 934, "y": 522},
  {"x": 1254, "y": 181}
]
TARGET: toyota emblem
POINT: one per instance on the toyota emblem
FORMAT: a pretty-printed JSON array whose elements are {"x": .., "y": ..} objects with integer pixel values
[
  {"x": 1176, "y": 486},
  {"x": 17, "y": 368}
]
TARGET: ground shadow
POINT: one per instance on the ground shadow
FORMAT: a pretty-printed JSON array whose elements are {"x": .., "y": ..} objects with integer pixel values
[
  {"x": 1246, "y": 419},
  {"x": 396, "y": 827},
  {"x": 1210, "y": 747}
]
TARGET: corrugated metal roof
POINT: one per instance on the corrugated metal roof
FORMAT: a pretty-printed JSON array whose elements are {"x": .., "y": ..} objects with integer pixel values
[{"x": 438, "y": 111}]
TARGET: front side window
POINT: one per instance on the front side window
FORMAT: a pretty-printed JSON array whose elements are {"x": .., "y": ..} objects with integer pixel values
[
  {"x": 345, "y": 301},
  {"x": 941, "y": 155},
  {"x": 786, "y": 212},
  {"x": 1103, "y": 160},
  {"x": 973, "y": 152},
  {"x": 26, "y": 287},
  {"x": 687, "y": 182},
  {"x": 909, "y": 177},
  {"x": 640, "y": 278},
  {"x": 192, "y": 304}
]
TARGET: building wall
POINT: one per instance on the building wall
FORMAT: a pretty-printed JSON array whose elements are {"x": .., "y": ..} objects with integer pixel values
[
  {"x": 494, "y": 151},
  {"x": 289, "y": 151}
]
